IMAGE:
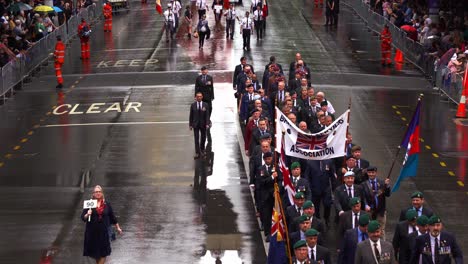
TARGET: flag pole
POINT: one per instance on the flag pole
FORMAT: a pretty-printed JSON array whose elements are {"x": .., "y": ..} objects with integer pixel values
[
  {"x": 399, "y": 146},
  {"x": 280, "y": 201},
  {"x": 347, "y": 131}
]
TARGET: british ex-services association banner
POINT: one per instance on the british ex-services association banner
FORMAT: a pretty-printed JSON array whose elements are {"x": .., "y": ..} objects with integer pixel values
[{"x": 326, "y": 144}]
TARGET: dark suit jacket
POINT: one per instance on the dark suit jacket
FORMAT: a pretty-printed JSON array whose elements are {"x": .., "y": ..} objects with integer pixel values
[
  {"x": 291, "y": 215},
  {"x": 244, "y": 106},
  {"x": 265, "y": 184},
  {"x": 364, "y": 164},
  {"x": 400, "y": 240},
  {"x": 199, "y": 119},
  {"x": 255, "y": 140},
  {"x": 425, "y": 211},
  {"x": 239, "y": 68},
  {"x": 323, "y": 255},
  {"x": 321, "y": 175},
  {"x": 348, "y": 247},
  {"x": 302, "y": 185},
  {"x": 369, "y": 196},
  {"x": 294, "y": 237},
  {"x": 205, "y": 87},
  {"x": 341, "y": 197},
  {"x": 345, "y": 223},
  {"x": 423, "y": 246},
  {"x": 405, "y": 248}
]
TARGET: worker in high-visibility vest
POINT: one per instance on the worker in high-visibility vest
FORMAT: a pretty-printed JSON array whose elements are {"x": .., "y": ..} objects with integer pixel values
[
  {"x": 59, "y": 59},
  {"x": 107, "y": 11},
  {"x": 386, "y": 46},
  {"x": 84, "y": 31}
]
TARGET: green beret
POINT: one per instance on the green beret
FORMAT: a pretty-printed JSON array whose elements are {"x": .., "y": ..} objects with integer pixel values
[
  {"x": 299, "y": 244},
  {"x": 411, "y": 215},
  {"x": 299, "y": 195},
  {"x": 364, "y": 219},
  {"x": 422, "y": 220},
  {"x": 373, "y": 226},
  {"x": 295, "y": 165},
  {"x": 307, "y": 204},
  {"x": 303, "y": 218},
  {"x": 353, "y": 201},
  {"x": 311, "y": 232},
  {"x": 434, "y": 220},
  {"x": 417, "y": 195}
]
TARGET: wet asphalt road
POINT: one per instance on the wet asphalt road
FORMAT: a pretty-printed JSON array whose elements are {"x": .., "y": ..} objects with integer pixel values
[{"x": 121, "y": 122}]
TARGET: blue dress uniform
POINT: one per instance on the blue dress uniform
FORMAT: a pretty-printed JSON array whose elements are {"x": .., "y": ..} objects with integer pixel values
[{"x": 436, "y": 249}]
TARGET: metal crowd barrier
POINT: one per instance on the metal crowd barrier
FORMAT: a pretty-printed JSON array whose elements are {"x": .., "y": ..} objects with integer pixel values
[
  {"x": 413, "y": 51},
  {"x": 15, "y": 71}
]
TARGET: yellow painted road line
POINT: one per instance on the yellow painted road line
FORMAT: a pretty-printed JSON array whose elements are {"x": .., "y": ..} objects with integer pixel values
[
  {"x": 1, "y": 164},
  {"x": 460, "y": 183},
  {"x": 7, "y": 156},
  {"x": 435, "y": 155},
  {"x": 451, "y": 173},
  {"x": 443, "y": 164},
  {"x": 394, "y": 107},
  {"x": 428, "y": 147},
  {"x": 30, "y": 133},
  {"x": 398, "y": 112},
  {"x": 16, "y": 147},
  {"x": 24, "y": 140},
  {"x": 403, "y": 118}
]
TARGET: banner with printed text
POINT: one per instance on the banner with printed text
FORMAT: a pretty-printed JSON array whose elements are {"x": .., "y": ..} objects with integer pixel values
[{"x": 326, "y": 144}]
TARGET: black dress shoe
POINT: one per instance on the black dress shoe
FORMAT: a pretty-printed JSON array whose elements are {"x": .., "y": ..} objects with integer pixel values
[
  {"x": 267, "y": 239},
  {"x": 59, "y": 86}
]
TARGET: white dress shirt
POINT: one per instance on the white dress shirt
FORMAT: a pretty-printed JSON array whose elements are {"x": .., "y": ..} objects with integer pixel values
[
  {"x": 433, "y": 246},
  {"x": 247, "y": 23}
]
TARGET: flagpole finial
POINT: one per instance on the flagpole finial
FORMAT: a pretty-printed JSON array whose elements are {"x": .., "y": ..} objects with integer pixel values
[{"x": 421, "y": 95}]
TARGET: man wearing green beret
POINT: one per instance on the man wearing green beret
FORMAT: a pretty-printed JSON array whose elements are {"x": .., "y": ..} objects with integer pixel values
[
  {"x": 315, "y": 222},
  {"x": 300, "y": 183},
  {"x": 349, "y": 219},
  {"x": 351, "y": 239},
  {"x": 374, "y": 250},
  {"x": 405, "y": 249},
  {"x": 300, "y": 252},
  {"x": 402, "y": 231},
  {"x": 437, "y": 246},
  {"x": 316, "y": 252},
  {"x": 417, "y": 202},
  {"x": 304, "y": 225},
  {"x": 294, "y": 211}
]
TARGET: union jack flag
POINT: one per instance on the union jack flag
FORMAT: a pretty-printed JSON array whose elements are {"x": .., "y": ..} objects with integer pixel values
[
  {"x": 277, "y": 249},
  {"x": 311, "y": 142}
]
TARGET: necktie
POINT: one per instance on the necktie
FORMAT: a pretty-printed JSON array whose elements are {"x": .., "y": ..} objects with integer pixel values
[
  {"x": 230, "y": 14},
  {"x": 377, "y": 253},
  {"x": 262, "y": 132},
  {"x": 356, "y": 220},
  {"x": 199, "y": 106},
  {"x": 250, "y": 97},
  {"x": 258, "y": 16},
  {"x": 299, "y": 211},
  {"x": 312, "y": 255},
  {"x": 204, "y": 79},
  {"x": 359, "y": 163},
  {"x": 363, "y": 236},
  {"x": 200, "y": 4},
  {"x": 436, "y": 251},
  {"x": 349, "y": 192}
]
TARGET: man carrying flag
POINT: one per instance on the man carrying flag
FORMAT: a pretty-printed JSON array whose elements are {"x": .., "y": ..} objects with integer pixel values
[{"x": 411, "y": 143}]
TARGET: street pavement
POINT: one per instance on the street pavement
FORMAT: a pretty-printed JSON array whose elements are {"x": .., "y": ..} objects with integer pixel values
[{"x": 121, "y": 122}]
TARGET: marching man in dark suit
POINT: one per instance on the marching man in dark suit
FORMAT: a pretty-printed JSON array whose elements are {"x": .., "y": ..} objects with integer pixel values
[
  {"x": 199, "y": 121},
  {"x": 265, "y": 184},
  {"x": 437, "y": 246},
  {"x": 374, "y": 250},
  {"x": 417, "y": 201},
  {"x": 300, "y": 183},
  {"x": 204, "y": 84},
  {"x": 402, "y": 231},
  {"x": 294, "y": 211},
  {"x": 375, "y": 192},
  {"x": 351, "y": 239},
  {"x": 349, "y": 219},
  {"x": 406, "y": 248},
  {"x": 345, "y": 192},
  {"x": 316, "y": 253}
]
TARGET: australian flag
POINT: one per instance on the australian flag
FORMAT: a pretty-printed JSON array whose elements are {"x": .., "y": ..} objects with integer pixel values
[{"x": 411, "y": 143}]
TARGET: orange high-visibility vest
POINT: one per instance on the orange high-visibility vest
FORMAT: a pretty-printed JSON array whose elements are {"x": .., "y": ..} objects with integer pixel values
[{"x": 59, "y": 52}]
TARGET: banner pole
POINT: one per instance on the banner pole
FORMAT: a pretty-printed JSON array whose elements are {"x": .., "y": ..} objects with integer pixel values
[{"x": 399, "y": 146}]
